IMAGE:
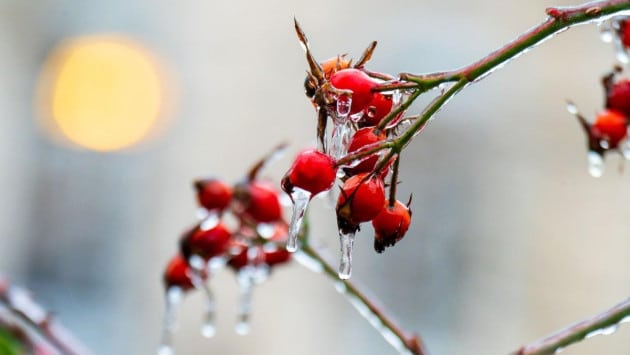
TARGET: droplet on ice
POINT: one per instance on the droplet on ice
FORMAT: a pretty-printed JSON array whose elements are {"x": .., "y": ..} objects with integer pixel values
[
  {"x": 345, "y": 265},
  {"x": 300, "y": 198},
  {"x": 344, "y": 102},
  {"x": 595, "y": 164}
]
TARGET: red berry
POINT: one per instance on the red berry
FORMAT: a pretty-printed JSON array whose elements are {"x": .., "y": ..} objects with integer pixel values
[
  {"x": 238, "y": 259},
  {"x": 312, "y": 171},
  {"x": 213, "y": 194},
  {"x": 364, "y": 136},
  {"x": 177, "y": 274},
  {"x": 379, "y": 106},
  {"x": 610, "y": 125},
  {"x": 390, "y": 225},
  {"x": 211, "y": 242},
  {"x": 277, "y": 256},
  {"x": 359, "y": 83},
  {"x": 362, "y": 198},
  {"x": 260, "y": 201},
  {"x": 619, "y": 96}
]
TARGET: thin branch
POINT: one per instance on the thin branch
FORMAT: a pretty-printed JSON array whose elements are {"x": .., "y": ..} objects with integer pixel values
[
  {"x": 392, "y": 332},
  {"x": 603, "y": 323},
  {"x": 20, "y": 304},
  {"x": 559, "y": 19}
]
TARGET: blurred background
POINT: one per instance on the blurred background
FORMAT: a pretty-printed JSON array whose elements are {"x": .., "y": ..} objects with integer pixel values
[{"x": 111, "y": 108}]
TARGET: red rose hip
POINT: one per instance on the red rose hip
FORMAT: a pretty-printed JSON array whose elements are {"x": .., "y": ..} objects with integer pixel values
[
  {"x": 390, "y": 225},
  {"x": 213, "y": 194},
  {"x": 362, "y": 197},
  {"x": 312, "y": 171},
  {"x": 610, "y": 125},
  {"x": 359, "y": 83}
]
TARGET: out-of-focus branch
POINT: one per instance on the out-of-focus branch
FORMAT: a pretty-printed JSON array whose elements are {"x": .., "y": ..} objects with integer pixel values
[{"x": 606, "y": 322}]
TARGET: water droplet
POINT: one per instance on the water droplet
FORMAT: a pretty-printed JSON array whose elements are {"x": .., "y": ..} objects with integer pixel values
[
  {"x": 606, "y": 31},
  {"x": 559, "y": 350},
  {"x": 300, "y": 198},
  {"x": 603, "y": 331},
  {"x": 625, "y": 319},
  {"x": 266, "y": 230},
  {"x": 340, "y": 139},
  {"x": 604, "y": 144},
  {"x": 344, "y": 102},
  {"x": 595, "y": 164},
  {"x": 217, "y": 263},
  {"x": 210, "y": 221},
  {"x": 345, "y": 265},
  {"x": 196, "y": 262},
  {"x": 173, "y": 297},
  {"x": 572, "y": 108}
]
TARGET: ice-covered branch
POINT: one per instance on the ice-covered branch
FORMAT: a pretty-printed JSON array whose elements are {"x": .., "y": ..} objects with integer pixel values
[{"x": 604, "y": 323}]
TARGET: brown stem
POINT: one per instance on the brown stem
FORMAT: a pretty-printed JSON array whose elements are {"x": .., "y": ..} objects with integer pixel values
[{"x": 607, "y": 320}]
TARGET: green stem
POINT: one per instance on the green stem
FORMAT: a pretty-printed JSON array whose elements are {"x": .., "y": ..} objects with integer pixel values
[
  {"x": 607, "y": 320},
  {"x": 559, "y": 19},
  {"x": 363, "y": 303}
]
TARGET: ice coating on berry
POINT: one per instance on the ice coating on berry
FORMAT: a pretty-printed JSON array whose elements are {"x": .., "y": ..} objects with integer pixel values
[
  {"x": 340, "y": 138},
  {"x": 346, "y": 241},
  {"x": 300, "y": 200},
  {"x": 611, "y": 126},
  {"x": 359, "y": 83},
  {"x": 390, "y": 226},
  {"x": 380, "y": 105}
]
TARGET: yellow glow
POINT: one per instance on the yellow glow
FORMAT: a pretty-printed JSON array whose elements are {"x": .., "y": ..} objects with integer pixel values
[{"x": 105, "y": 92}]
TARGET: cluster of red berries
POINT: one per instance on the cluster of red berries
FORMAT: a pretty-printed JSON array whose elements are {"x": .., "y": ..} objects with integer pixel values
[
  {"x": 242, "y": 227},
  {"x": 349, "y": 96},
  {"x": 609, "y": 131}
]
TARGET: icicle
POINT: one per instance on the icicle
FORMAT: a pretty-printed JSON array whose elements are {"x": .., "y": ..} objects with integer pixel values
[
  {"x": 624, "y": 147},
  {"x": 345, "y": 265},
  {"x": 606, "y": 32},
  {"x": 340, "y": 139},
  {"x": 266, "y": 230},
  {"x": 208, "y": 329},
  {"x": 174, "y": 296},
  {"x": 595, "y": 164},
  {"x": 300, "y": 198},
  {"x": 244, "y": 308}
]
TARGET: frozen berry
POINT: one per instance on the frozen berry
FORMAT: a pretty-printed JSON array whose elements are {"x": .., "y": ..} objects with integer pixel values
[
  {"x": 619, "y": 96},
  {"x": 312, "y": 171},
  {"x": 211, "y": 242},
  {"x": 380, "y": 105},
  {"x": 363, "y": 137},
  {"x": 359, "y": 83},
  {"x": 611, "y": 126},
  {"x": 177, "y": 274},
  {"x": 213, "y": 194},
  {"x": 390, "y": 225},
  {"x": 259, "y": 201},
  {"x": 362, "y": 197}
]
